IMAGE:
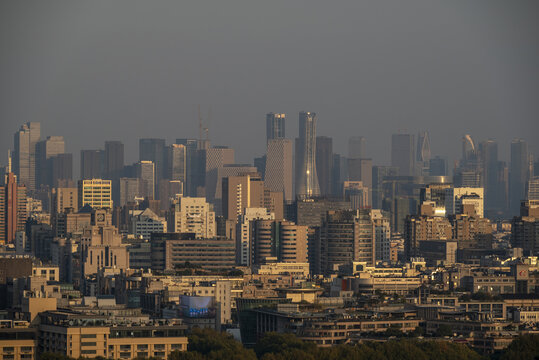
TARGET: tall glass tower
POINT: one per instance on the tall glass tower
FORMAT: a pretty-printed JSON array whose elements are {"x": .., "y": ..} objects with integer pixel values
[
  {"x": 275, "y": 126},
  {"x": 306, "y": 176}
]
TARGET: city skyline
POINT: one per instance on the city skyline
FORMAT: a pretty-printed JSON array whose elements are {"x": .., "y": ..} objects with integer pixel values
[{"x": 473, "y": 73}]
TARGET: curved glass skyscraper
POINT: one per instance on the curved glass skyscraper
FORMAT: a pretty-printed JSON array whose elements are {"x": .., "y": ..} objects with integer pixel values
[{"x": 306, "y": 177}]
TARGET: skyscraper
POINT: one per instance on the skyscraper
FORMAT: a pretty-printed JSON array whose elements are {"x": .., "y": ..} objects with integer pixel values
[
  {"x": 154, "y": 150},
  {"x": 177, "y": 162},
  {"x": 324, "y": 163},
  {"x": 216, "y": 158},
  {"x": 91, "y": 164},
  {"x": 12, "y": 208},
  {"x": 275, "y": 126},
  {"x": 438, "y": 166},
  {"x": 423, "y": 153},
  {"x": 146, "y": 173},
  {"x": 518, "y": 174},
  {"x": 306, "y": 176},
  {"x": 114, "y": 160},
  {"x": 402, "y": 153},
  {"x": 195, "y": 166},
  {"x": 356, "y": 147},
  {"x": 45, "y": 150},
  {"x": 278, "y": 174},
  {"x": 488, "y": 151},
  {"x": 24, "y": 156}
]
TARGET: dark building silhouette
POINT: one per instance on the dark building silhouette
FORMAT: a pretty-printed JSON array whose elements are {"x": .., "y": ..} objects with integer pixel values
[{"x": 324, "y": 163}]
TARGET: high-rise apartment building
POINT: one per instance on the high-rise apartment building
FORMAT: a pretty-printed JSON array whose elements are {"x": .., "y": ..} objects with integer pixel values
[
  {"x": 91, "y": 164},
  {"x": 275, "y": 126},
  {"x": 402, "y": 153},
  {"x": 356, "y": 147},
  {"x": 382, "y": 236},
  {"x": 96, "y": 193},
  {"x": 13, "y": 211},
  {"x": 279, "y": 165},
  {"x": 307, "y": 185},
  {"x": 518, "y": 174},
  {"x": 24, "y": 155},
  {"x": 324, "y": 163}
]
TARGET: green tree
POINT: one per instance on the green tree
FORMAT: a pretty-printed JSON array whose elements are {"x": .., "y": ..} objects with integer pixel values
[
  {"x": 284, "y": 346},
  {"x": 523, "y": 347},
  {"x": 444, "y": 330}
]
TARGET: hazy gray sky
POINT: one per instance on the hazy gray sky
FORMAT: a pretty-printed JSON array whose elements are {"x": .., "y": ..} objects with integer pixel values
[{"x": 98, "y": 70}]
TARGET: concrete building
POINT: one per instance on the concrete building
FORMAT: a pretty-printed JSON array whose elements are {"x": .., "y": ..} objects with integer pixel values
[
  {"x": 346, "y": 236},
  {"x": 382, "y": 236},
  {"x": 457, "y": 198},
  {"x": 244, "y": 232},
  {"x": 193, "y": 215},
  {"x": 113, "y": 160},
  {"x": 422, "y": 227},
  {"x": 216, "y": 158},
  {"x": 131, "y": 190},
  {"x": 154, "y": 150},
  {"x": 518, "y": 174},
  {"x": 283, "y": 240},
  {"x": 146, "y": 173},
  {"x": 145, "y": 222},
  {"x": 45, "y": 151},
  {"x": 96, "y": 193},
  {"x": 324, "y": 164},
  {"x": 177, "y": 163},
  {"x": 356, "y": 147}
]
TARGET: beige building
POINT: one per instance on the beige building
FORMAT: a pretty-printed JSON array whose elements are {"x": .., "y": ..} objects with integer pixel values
[
  {"x": 91, "y": 336},
  {"x": 96, "y": 192},
  {"x": 244, "y": 231},
  {"x": 101, "y": 246},
  {"x": 283, "y": 240},
  {"x": 193, "y": 215}
]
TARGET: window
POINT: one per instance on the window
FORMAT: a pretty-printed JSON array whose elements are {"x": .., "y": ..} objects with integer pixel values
[{"x": 88, "y": 336}]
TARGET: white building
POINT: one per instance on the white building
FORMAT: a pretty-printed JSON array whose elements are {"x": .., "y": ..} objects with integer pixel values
[
  {"x": 142, "y": 223},
  {"x": 243, "y": 232},
  {"x": 382, "y": 236},
  {"x": 457, "y": 197}
]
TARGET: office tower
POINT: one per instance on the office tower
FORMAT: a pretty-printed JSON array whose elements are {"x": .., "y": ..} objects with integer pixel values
[
  {"x": 177, "y": 163},
  {"x": 379, "y": 173},
  {"x": 279, "y": 164},
  {"x": 195, "y": 166},
  {"x": 244, "y": 233},
  {"x": 24, "y": 155},
  {"x": 260, "y": 165},
  {"x": 532, "y": 190},
  {"x": 382, "y": 236},
  {"x": 324, "y": 163},
  {"x": 228, "y": 171},
  {"x": 193, "y": 215},
  {"x": 423, "y": 153},
  {"x": 275, "y": 126},
  {"x": 435, "y": 194},
  {"x": 438, "y": 166},
  {"x": 356, "y": 147},
  {"x": 307, "y": 185},
  {"x": 13, "y": 211},
  {"x": 216, "y": 157},
  {"x": 61, "y": 169},
  {"x": 346, "y": 236},
  {"x": 131, "y": 190},
  {"x": 96, "y": 193},
  {"x": 114, "y": 160},
  {"x": 283, "y": 241},
  {"x": 169, "y": 190},
  {"x": 91, "y": 164},
  {"x": 402, "y": 153},
  {"x": 458, "y": 198},
  {"x": 248, "y": 191},
  {"x": 154, "y": 150},
  {"x": 518, "y": 174},
  {"x": 488, "y": 151},
  {"x": 46, "y": 150},
  {"x": 357, "y": 194},
  {"x": 146, "y": 173}
]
